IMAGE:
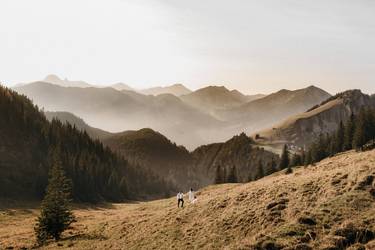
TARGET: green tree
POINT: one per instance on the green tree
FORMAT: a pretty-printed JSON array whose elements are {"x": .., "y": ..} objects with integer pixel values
[
  {"x": 260, "y": 171},
  {"x": 308, "y": 159},
  {"x": 284, "y": 161},
  {"x": 272, "y": 166},
  {"x": 296, "y": 160},
  {"x": 338, "y": 139},
  {"x": 232, "y": 176},
  {"x": 219, "y": 178},
  {"x": 319, "y": 149},
  {"x": 362, "y": 131},
  {"x": 349, "y": 133},
  {"x": 56, "y": 214}
]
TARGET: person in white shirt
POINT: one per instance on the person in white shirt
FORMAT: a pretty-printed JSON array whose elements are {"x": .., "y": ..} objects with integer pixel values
[
  {"x": 191, "y": 195},
  {"x": 194, "y": 200},
  {"x": 180, "y": 199}
]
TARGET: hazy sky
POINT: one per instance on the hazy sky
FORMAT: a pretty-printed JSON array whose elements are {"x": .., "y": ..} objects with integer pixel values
[{"x": 254, "y": 46}]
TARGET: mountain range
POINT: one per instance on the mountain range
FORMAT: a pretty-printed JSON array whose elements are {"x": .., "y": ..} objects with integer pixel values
[{"x": 208, "y": 115}]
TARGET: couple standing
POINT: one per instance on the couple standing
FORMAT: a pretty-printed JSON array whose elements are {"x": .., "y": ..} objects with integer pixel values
[{"x": 180, "y": 198}]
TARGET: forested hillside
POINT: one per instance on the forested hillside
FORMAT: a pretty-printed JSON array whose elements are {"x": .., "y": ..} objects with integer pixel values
[
  {"x": 79, "y": 123},
  {"x": 151, "y": 151},
  {"x": 236, "y": 160},
  {"x": 304, "y": 128},
  {"x": 28, "y": 141},
  {"x": 155, "y": 153},
  {"x": 358, "y": 133}
]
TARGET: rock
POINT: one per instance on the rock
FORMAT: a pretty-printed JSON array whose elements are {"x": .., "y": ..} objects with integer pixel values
[
  {"x": 307, "y": 221},
  {"x": 367, "y": 181},
  {"x": 353, "y": 234}
]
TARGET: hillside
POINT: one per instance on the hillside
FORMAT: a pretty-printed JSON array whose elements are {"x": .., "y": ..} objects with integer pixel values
[
  {"x": 324, "y": 118},
  {"x": 175, "y": 89},
  {"x": 268, "y": 110},
  {"x": 30, "y": 144},
  {"x": 154, "y": 152},
  {"x": 239, "y": 155},
  {"x": 79, "y": 123},
  {"x": 327, "y": 206}
]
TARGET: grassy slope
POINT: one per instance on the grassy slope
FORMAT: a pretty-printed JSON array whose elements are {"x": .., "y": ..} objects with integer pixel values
[{"x": 274, "y": 210}]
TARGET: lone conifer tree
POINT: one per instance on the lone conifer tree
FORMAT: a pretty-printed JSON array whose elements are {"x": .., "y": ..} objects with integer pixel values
[
  {"x": 284, "y": 161},
  {"x": 56, "y": 215}
]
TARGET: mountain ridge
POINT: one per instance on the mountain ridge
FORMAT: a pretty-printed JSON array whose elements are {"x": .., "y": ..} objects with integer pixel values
[{"x": 301, "y": 129}]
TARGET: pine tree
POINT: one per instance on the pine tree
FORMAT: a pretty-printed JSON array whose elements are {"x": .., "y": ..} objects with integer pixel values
[
  {"x": 303, "y": 157},
  {"x": 56, "y": 215},
  {"x": 361, "y": 132},
  {"x": 218, "y": 175},
  {"x": 319, "y": 149},
  {"x": 232, "y": 176},
  {"x": 308, "y": 159},
  {"x": 349, "y": 132},
  {"x": 296, "y": 160},
  {"x": 272, "y": 166},
  {"x": 338, "y": 139},
  {"x": 371, "y": 123},
  {"x": 284, "y": 161},
  {"x": 260, "y": 171}
]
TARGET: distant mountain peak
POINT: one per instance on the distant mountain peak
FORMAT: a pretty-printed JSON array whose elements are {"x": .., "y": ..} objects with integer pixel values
[
  {"x": 52, "y": 78},
  {"x": 176, "y": 89},
  {"x": 121, "y": 86}
]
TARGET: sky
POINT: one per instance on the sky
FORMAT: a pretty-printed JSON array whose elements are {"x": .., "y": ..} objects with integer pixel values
[{"x": 253, "y": 46}]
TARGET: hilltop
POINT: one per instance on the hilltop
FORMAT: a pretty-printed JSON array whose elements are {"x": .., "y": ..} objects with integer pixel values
[
  {"x": 175, "y": 89},
  {"x": 327, "y": 206},
  {"x": 272, "y": 108},
  {"x": 303, "y": 128}
]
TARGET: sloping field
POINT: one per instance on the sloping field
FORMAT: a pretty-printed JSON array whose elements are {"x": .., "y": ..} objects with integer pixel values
[{"x": 327, "y": 206}]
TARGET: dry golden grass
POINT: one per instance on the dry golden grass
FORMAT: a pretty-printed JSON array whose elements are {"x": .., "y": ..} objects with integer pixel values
[{"x": 327, "y": 206}]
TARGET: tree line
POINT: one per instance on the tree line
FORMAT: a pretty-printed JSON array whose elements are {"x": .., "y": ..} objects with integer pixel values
[
  {"x": 29, "y": 141},
  {"x": 355, "y": 133}
]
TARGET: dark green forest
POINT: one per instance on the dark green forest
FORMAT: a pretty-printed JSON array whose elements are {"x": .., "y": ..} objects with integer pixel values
[
  {"x": 358, "y": 133},
  {"x": 28, "y": 141}
]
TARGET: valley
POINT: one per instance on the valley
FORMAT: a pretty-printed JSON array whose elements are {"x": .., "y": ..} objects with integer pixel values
[{"x": 326, "y": 206}]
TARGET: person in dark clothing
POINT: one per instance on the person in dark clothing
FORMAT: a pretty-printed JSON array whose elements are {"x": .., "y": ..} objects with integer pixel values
[{"x": 180, "y": 199}]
